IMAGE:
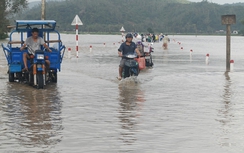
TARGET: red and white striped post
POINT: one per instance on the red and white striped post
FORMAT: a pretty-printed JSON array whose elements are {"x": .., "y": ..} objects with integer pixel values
[
  {"x": 77, "y": 39},
  {"x": 77, "y": 22}
]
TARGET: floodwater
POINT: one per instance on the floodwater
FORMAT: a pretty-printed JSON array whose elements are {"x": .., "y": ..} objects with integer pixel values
[{"x": 181, "y": 105}]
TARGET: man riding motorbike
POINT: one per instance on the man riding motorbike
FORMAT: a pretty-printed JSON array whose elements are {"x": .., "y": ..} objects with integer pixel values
[
  {"x": 127, "y": 47},
  {"x": 34, "y": 42}
]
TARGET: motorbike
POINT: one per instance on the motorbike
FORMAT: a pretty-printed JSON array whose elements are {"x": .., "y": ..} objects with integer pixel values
[
  {"x": 37, "y": 71},
  {"x": 148, "y": 56},
  {"x": 131, "y": 66}
]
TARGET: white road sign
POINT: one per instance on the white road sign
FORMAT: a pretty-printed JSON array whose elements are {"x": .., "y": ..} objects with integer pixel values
[{"x": 76, "y": 21}]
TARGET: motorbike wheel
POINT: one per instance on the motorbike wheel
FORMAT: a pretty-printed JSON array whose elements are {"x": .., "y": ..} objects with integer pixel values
[
  {"x": 40, "y": 81},
  {"x": 151, "y": 63},
  {"x": 126, "y": 72},
  {"x": 11, "y": 77},
  {"x": 134, "y": 71},
  {"x": 20, "y": 77}
]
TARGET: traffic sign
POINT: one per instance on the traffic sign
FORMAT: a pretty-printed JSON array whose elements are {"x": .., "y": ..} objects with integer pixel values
[
  {"x": 122, "y": 29},
  {"x": 76, "y": 21}
]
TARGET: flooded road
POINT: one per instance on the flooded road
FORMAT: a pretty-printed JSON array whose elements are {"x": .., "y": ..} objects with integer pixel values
[{"x": 181, "y": 105}]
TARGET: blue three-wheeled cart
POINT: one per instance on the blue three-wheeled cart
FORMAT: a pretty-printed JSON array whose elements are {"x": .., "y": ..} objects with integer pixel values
[{"x": 38, "y": 74}]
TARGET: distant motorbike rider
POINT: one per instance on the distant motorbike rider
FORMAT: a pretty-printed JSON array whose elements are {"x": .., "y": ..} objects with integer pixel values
[
  {"x": 127, "y": 47},
  {"x": 142, "y": 38},
  {"x": 140, "y": 47}
]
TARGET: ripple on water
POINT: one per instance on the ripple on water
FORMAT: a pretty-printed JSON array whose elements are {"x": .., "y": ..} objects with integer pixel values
[{"x": 179, "y": 105}]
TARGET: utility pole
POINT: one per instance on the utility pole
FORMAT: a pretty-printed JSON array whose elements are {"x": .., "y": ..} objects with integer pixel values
[
  {"x": 43, "y": 15},
  {"x": 228, "y": 20},
  {"x": 43, "y": 9}
]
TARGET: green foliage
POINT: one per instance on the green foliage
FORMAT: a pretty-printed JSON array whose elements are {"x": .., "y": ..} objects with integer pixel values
[
  {"x": 167, "y": 16},
  {"x": 15, "y": 5},
  {"x": 3, "y": 20},
  {"x": 242, "y": 30},
  {"x": 8, "y": 7},
  {"x": 150, "y": 30}
]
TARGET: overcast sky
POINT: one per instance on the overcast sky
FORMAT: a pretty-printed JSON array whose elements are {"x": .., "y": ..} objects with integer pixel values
[{"x": 214, "y": 1}]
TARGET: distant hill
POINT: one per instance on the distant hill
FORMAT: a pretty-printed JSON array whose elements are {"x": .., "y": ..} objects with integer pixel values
[
  {"x": 236, "y": 4},
  {"x": 32, "y": 4},
  {"x": 171, "y": 16},
  {"x": 37, "y": 2}
]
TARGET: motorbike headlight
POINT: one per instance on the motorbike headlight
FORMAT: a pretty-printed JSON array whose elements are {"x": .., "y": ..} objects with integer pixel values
[
  {"x": 39, "y": 66},
  {"x": 40, "y": 56}
]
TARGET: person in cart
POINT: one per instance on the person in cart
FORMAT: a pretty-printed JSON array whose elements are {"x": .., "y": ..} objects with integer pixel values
[{"x": 34, "y": 42}]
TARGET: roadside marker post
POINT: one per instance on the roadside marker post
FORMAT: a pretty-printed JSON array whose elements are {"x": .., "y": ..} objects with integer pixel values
[
  {"x": 122, "y": 30},
  {"x": 77, "y": 22},
  {"x": 228, "y": 20}
]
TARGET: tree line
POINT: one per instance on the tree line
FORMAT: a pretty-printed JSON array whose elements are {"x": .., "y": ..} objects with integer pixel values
[
  {"x": 167, "y": 16},
  {"x": 8, "y": 7}
]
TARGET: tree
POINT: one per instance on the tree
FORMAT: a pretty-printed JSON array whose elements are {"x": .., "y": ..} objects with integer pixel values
[
  {"x": 166, "y": 16},
  {"x": 150, "y": 30},
  {"x": 242, "y": 30},
  {"x": 8, "y": 7}
]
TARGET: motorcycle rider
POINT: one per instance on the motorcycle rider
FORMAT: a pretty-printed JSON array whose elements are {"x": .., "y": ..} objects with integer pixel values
[
  {"x": 126, "y": 47},
  {"x": 34, "y": 42}
]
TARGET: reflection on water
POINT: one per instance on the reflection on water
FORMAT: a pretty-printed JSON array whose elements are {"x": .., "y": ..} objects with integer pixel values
[
  {"x": 225, "y": 112},
  {"x": 33, "y": 116},
  {"x": 227, "y": 92},
  {"x": 131, "y": 99},
  {"x": 177, "y": 106}
]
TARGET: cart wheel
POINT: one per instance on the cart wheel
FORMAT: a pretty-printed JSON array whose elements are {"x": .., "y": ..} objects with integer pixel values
[
  {"x": 54, "y": 77},
  {"x": 11, "y": 77},
  {"x": 30, "y": 79}
]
